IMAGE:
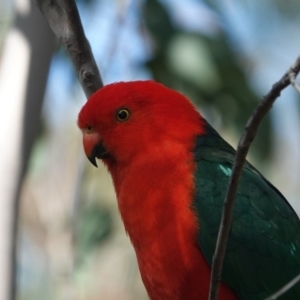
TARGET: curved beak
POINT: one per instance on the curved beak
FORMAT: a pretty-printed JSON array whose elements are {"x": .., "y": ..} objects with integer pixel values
[
  {"x": 98, "y": 151},
  {"x": 94, "y": 148},
  {"x": 92, "y": 158}
]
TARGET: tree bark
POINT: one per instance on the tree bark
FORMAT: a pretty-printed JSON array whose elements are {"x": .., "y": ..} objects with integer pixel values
[{"x": 63, "y": 18}]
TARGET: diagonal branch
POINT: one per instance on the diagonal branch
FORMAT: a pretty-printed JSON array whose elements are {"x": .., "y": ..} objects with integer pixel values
[
  {"x": 285, "y": 288},
  {"x": 242, "y": 150},
  {"x": 292, "y": 77},
  {"x": 64, "y": 20}
]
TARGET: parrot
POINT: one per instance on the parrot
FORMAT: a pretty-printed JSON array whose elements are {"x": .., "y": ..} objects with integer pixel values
[{"x": 170, "y": 170}]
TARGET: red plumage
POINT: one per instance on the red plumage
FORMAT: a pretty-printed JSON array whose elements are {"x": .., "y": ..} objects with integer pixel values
[{"x": 154, "y": 191}]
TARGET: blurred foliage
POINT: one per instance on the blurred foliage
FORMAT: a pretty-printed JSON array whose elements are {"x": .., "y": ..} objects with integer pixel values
[
  {"x": 287, "y": 9},
  {"x": 206, "y": 68},
  {"x": 94, "y": 226}
]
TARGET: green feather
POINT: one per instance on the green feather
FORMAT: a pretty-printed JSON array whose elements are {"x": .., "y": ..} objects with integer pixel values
[{"x": 263, "y": 251}]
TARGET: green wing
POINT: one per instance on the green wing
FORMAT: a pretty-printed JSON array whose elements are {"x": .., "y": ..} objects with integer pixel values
[{"x": 263, "y": 251}]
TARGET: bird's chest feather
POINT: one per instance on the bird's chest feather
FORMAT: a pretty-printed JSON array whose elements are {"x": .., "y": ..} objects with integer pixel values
[{"x": 155, "y": 203}]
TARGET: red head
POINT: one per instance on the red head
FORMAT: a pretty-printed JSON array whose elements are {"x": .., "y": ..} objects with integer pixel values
[{"x": 124, "y": 120}]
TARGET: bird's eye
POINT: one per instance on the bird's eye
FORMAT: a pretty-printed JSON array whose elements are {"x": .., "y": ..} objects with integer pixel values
[
  {"x": 89, "y": 128},
  {"x": 123, "y": 114}
]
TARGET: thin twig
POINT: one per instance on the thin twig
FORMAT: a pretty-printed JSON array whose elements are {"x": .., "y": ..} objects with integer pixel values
[
  {"x": 64, "y": 20},
  {"x": 285, "y": 288},
  {"x": 248, "y": 136},
  {"x": 293, "y": 82}
]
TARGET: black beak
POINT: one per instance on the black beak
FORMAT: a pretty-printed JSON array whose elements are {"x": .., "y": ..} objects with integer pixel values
[{"x": 99, "y": 151}]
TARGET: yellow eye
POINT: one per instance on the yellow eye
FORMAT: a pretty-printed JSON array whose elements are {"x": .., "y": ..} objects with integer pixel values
[{"x": 123, "y": 114}]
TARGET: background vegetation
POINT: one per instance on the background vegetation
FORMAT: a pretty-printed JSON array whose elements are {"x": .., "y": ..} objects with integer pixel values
[{"x": 224, "y": 55}]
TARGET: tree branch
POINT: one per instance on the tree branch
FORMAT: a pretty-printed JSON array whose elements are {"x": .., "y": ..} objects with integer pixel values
[
  {"x": 64, "y": 20},
  {"x": 293, "y": 81},
  {"x": 242, "y": 150},
  {"x": 285, "y": 288}
]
